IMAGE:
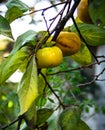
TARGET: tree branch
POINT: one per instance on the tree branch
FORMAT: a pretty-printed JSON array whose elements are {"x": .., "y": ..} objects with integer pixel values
[
  {"x": 78, "y": 68},
  {"x": 13, "y": 122},
  {"x": 59, "y": 27},
  {"x": 60, "y": 102},
  {"x": 83, "y": 38},
  {"x": 43, "y": 9},
  {"x": 96, "y": 78}
]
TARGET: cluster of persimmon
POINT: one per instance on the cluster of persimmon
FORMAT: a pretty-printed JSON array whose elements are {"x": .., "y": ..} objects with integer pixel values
[{"x": 66, "y": 44}]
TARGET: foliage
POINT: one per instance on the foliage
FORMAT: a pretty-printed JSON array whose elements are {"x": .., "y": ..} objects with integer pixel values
[
  {"x": 9, "y": 104},
  {"x": 44, "y": 91},
  {"x": 93, "y": 34},
  {"x": 94, "y": 6}
]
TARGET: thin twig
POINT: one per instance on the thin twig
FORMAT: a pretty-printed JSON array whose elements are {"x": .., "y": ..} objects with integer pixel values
[
  {"x": 78, "y": 68},
  {"x": 59, "y": 14},
  {"x": 71, "y": 91},
  {"x": 44, "y": 9},
  {"x": 59, "y": 27},
  {"x": 13, "y": 122},
  {"x": 103, "y": 56},
  {"x": 96, "y": 78},
  {"x": 45, "y": 22},
  {"x": 86, "y": 84},
  {"x": 19, "y": 123},
  {"x": 100, "y": 79},
  {"x": 60, "y": 102},
  {"x": 69, "y": 6}
]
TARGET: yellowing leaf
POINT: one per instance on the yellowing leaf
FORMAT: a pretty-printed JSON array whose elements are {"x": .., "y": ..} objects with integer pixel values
[
  {"x": 31, "y": 115},
  {"x": 83, "y": 56},
  {"x": 12, "y": 63},
  {"x": 41, "y": 82},
  {"x": 28, "y": 87}
]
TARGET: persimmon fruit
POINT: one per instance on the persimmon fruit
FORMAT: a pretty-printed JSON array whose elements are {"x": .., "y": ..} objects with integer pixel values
[
  {"x": 49, "y": 57},
  {"x": 82, "y": 12},
  {"x": 68, "y": 42}
]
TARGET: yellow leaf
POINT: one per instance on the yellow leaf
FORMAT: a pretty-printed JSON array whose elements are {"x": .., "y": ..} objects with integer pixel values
[
  {"x": 28, "y": 87},
  {"x": 83, "y": 56}
]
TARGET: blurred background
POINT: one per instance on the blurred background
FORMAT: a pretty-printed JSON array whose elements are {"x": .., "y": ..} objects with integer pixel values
[{"x": 93, "y": 96}]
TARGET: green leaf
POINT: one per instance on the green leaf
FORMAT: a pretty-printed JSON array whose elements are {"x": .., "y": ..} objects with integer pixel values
[
  {"x": 103, "y": 110},
  {"x": 83, "y": 56},
  {"x": 16, "y": 9},
  {"x": 30, "y": 116},
  {"x": 69, "y": 118},
  {"x": 23, "y": 66},
  {"x": 28, "y": 37},
  {"x": 97, "y": 12},
  {"x": 82, "y": 126},
  {"x": 12, "y": 63},
  {"x": 94, "y": 35},
  {"x": 13, "y": 13},
  {"x": 41, "y": 100},
  {"x": 51, "y": 100},
  {"x": 5, "y": 28},
  {"x": 43, "y": 115},
  {"x": 41, "y": 84},
  {"x": 16, "y": 3},
  {"x": 28, "y": 87}
]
